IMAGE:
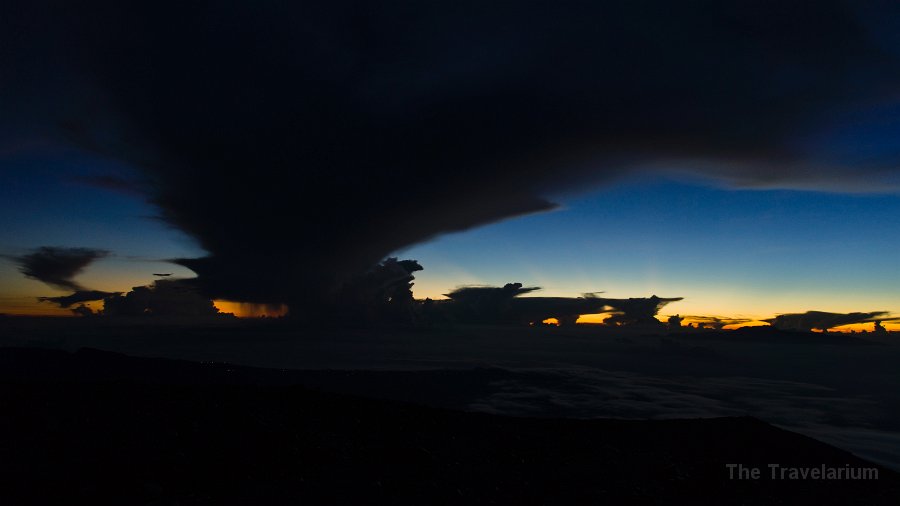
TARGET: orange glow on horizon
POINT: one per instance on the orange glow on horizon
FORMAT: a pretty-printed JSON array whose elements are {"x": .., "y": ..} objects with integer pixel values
[
  {"x": 598, "y": 318},
  {"x": 592, "y": 318},
  {"x": 868, "y": 327},
  {"x": 30, "y": 306},
  {"x": 890, "y": 326},
  {"x": 251, "y": 310},
  {"x": 35, "y": 311}
]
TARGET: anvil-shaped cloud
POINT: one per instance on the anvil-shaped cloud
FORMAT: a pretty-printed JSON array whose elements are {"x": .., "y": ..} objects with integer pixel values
[{"x": 302, "y": 142}]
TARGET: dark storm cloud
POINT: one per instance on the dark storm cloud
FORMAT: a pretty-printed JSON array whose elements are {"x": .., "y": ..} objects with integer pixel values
[
  {"x": 301, "y": 143},
  {"x": 114, "y": 183},
  {"x": 57, "y": 266},
  {"x": 66, "y": 301}
]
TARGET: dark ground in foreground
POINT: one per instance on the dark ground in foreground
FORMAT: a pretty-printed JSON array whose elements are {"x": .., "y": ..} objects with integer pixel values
[{"x": 102, "y": 428}]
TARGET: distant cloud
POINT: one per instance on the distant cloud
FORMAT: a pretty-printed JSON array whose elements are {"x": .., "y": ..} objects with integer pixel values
[
  {"x": 163, "y": 298},
  {"x": 493, "y": 304},
  {"x": 492, "y": 293},
  {"x": 715, "y": 322},
  {"x": 636, "y": 309},
  {"x": 58, "y": 266},
  {"x": 78, "y": 297},
  {"x": 822, "y": 320},
  {"x": 83, "y": 311}
]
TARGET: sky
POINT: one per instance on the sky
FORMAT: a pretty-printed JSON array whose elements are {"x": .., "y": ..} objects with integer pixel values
[
  {"x": 741, "y": 253},
  {"x": 47, "y": 200},
  {"x": 729, "y": 252},
  {"x": 742, "y": 155}
]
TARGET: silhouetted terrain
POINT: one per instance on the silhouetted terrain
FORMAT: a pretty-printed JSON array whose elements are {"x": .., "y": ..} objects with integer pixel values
[
  {"x": 101, "y": 428},
  {"x": 840, "y": 389}
]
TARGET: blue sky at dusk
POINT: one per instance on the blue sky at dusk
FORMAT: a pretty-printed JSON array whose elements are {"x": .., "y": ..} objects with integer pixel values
[{"x": 729, "y": 252}]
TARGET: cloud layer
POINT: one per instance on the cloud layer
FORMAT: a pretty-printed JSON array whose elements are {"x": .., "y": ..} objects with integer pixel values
[
  {"x": 822, "y": 320},
  {"x": 67, "y": 301}
]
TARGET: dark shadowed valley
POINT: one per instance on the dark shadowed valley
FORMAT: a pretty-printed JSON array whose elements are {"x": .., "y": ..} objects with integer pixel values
[{"x": 249, "y": 411}]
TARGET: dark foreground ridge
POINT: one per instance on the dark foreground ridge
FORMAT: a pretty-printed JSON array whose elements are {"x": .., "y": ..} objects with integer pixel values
[{"x": 102, "y": 428}]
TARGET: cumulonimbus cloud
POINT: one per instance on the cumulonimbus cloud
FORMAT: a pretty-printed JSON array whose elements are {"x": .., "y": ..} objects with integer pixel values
[{"x": 302, "y": 142}]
